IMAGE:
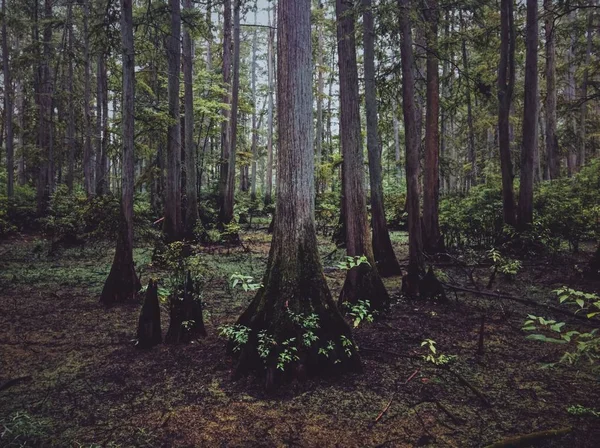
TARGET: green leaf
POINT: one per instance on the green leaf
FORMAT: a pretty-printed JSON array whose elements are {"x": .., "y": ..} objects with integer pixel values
[
  {"x": 590, "y": 315},
  {"x": 542, "y": 338},
  {"x": 580, "y": 302}
]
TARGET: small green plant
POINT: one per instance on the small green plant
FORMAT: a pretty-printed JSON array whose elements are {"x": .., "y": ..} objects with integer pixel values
[
  {"x": 361, "y": 312},
  {"x": 325, "y": 351},
  {"x": 288, "y": 354},
  {"x": 347, "y": 345},
  {"x": 21, "y": 429},
  {"x": 246, "y": 282},
  {"x": 352, "y": 262},
  {"x": 433, "y": 357},
  {"x": 506, "y": 266},
  {"x": 582, "y": 411},
  {"x": 265, "y": 344},
  {"x": 584, "y": 300},
  {"x": 236, "y": 334}
]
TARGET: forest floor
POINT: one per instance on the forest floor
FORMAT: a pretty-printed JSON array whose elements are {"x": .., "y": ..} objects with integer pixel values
[{"x": 86, "y": 385}]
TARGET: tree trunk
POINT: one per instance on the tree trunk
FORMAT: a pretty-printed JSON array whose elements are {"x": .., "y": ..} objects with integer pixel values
[
  {"x": 385, "y": 258},
  {"x": 320, "y": 93},
  {"x": 294, "y": 286},
  {"x": 172, "y": 223},
  {"x": 8, "y": 109},
  {"x": 191, "y": 192},
  {"x": 530, "y": 118},
  {"x": 396, "y": 126},
  {"x": 186, "y": 320},
  {"x": 584, "y": 92},
  {"x": 226, "y": 211},
  {"x": 226, "y": 124},
  {"x": 149, "y": 331},
  {"x": 101, "y": 119},
  {"x": 552, "y": 156},
  {"x": 472, "y": 155},
  {"x": 122, "y": 282},
  {"x": 270, "y": 80},
  {"x": 88, "y": 159},
  {"x": 362, "y": 281},
  {"x": 506, "y": 81},
  {"x": 432, "y": 239},
  {"x": 254, "y": 118},
  {"x": 71, "y": 143},
  {"x": 415, "y": 241}
]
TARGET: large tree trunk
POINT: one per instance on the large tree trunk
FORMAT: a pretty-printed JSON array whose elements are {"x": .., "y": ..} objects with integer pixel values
[
  {"x": 191, "y": 192},
  {"x": 88, "y": 158},
  {"x": 385, "y": 258},
  {"x": 294, "y": 285},
  {"x": 415, "y": 241},
  {"x": 362, "y": 281},
  {"x": 584, "y": 92},
  {"x": 101, "y": 120},
  {"x": 254, "y": 118},
  {"x": 8, "y": 109},
  {"x": 71, "y": 143},
  {"x": 506, "y": 81},
  {"x": 432, "y": 239},
  {"x": 173, "y": 224},
  {"x": 396, "y": 126},
  {"x": 472, "y": 155},
  {"x": 552, "y": 156},
  {"x": 226, "y": 124},
  {"x": 122, "y": 282},
  {"x": 320, "y": 93},
  {"x": 227, "y": 202},
  {"x": 270, "y": 80},
  {"x": 530, "y": 118}
]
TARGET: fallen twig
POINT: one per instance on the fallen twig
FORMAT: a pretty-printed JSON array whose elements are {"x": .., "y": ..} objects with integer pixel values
[
  {"x": 387, "y": 406},
  {"x": 473, "y": 389},
  {"x": 529, "y": 439}
]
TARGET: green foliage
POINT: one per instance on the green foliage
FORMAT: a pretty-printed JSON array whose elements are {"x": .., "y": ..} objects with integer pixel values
[
  {"x": 582, "y": 411},
  {"x": 352, "y": 262},
  {"x": 433, "y": 357},
  {"x": 288, "y": 354},
  {"x": 236, "y": 334},
  {"x": 361, "y": 312},
  {"x": 20, "y": 430},
  {"x": 246, "y": 282},
  {"x": 506, "y": 266},
  {"x": 587, "y": 344}
]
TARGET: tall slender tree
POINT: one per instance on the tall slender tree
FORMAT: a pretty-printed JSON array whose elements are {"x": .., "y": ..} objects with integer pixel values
[
  {"x": 191, "y": 209},
  {"x": 88, "y": 157},
  {"x": 432, "y": 239},
  {"x": 552, "y": 156},
  {"x": 8, "y": 108},
  {"x": 530, "y": 118},
  {"x": 270, "y": 111},
  {"x": 122, "y": 282},
  {"x": 506, "y": 82},
  {"x": 294, "y": 285},
  {"x": 363, "y": 281},
  {"x": 387, "y": 264},
  {"x": 415, "y": 240},
  {"x": 173, "y": 224}
]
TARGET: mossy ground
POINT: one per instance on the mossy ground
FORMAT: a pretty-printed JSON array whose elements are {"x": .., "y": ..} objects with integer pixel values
[{"x": 90, "y": 387}]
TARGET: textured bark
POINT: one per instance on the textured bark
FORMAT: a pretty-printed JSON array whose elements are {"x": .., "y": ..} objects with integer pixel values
[
  {"x": 71, "y": 143},
  {"x": 432, "y": 239},
  {"x": 122, "y": 283},
  {"x": 362, "y": 282},
  {"x": 415, "y": 241},
  {"x": 581, "y": 159},
  {"x": 552, "y": 156},
  {"x": 571, "y": 122},
  {"x": 149, "y": 331},
  {"x": 101, "y": 126},
  {"x": 88, "y": 158},
  {"x": 320, "y": 94},
  {"x": 506, "y": 81},
  {"x": 226, "y": 124},
  {"x": 385, "y": 258},
  {"x": 530, "y": 118},
  {"x": 270, "y": 80},
  {"x": 294, "y": 281},
  {"x": 191, "y": 209},
  {"x": 186, "y": 320},
  {"x": 8, "y": 108},
  {"x": 472, "y": 155},
  {"x": 172, "y": 223},
  {"x": 254, "y": 118},
  {"x": 227, "y": 203},
  {"x": 396, "y": 126}
]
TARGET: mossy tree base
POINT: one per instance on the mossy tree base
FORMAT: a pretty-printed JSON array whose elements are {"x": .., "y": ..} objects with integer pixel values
[
  {"x": 364, "y": 283},
  {"x": 122, "y": 283},
  {"x": 295, "y": 291},
  {"x": 186, "y": 320}
]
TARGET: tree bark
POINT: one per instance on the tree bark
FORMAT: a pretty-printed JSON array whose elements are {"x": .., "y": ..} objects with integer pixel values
[
  {"x": 172, "y": 223},
  {"x": 294, "y": 284},
  {"x": 226, "y": 124},
  {"x": 88, "y": 158},
  {"x": 506, "y": 81},
  {"x": 530, "y": 118},
  {"x": 363, "y": 281},
  {"x": 385, "y": 258},
  {"x": 122, "y": 283},
  {"x": 8, "y": 109},
  {"x": 472, "y": 155},
  {"x": 191, "y": 192},
  {"x": 584, "y": 92},
  {"x": 415, "y": 241},
  {"x": 270, "y": 80},
  {"x": 71, "y": 143},
  {"x": 552, "y": 156},
  {"x": 254, "y": 118},
  {"x": 432, "y": 239}
]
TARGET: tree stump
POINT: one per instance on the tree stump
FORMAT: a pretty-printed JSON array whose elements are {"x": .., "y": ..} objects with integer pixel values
[
  {"x": 149, "y": 332},
  {"x": 186, "y": 321}
]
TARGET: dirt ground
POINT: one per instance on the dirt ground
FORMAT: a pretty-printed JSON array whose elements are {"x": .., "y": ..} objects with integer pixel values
[{"x": 87, "y": 385}]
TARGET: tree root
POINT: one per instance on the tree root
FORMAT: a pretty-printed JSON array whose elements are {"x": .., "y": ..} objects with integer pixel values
[{"x": 529, "y": 439}]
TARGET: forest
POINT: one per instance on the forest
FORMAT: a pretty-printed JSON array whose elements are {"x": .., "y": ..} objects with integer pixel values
[{"x": 309, "y": 223}]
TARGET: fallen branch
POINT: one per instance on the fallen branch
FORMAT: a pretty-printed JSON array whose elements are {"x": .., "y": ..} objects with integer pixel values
[
  {"x": 473, "y": 389},
  {"x": 529, "y": 439},
  {"x": 14, "y": 382},
  {"x": 519, "y": 300},
  {"x": 387, "y": 406}
]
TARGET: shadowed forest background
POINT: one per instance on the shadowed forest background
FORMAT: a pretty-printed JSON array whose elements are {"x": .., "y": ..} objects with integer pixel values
[{"x": 300, "y": 223}]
